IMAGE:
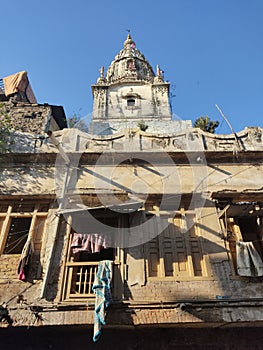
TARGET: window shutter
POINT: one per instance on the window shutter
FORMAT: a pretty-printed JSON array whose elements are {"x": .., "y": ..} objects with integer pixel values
[
  {"x": 177, "y": 251},
  {"x": 174, "y": 250},
  {"x": 153, "y": 257},
  {"x": 194, "y": 245},
  {"x": 39, "y": 229}
]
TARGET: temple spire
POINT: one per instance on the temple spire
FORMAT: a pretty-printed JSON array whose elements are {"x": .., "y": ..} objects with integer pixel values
[
  {"x": 129, "y": 43},
  {"x": 159, "y": 75},
  {"x": 129, "y": 65}
]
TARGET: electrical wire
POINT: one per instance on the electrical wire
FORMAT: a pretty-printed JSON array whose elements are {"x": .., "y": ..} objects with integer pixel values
[
  {"x": 17, "y": 241},
  {"x": 26, "y": 232}
]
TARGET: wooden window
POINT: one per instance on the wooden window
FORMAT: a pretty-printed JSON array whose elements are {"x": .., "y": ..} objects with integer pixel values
[
  {"x": 177, "y": 252},
  {"x": 82, "y": 272},
  {"x": 18, "y": 222},
  {"x": 80, "y": 269},
  {"x": 244, "y": 228},
  {"x": 17, "y": 235}
]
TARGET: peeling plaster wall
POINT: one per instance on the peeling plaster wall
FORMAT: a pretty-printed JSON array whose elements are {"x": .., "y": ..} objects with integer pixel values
[
  {"x": 36, "y": 174},
  {"x": 41, "y": 179},
  {"x": 133, "y": 139}
]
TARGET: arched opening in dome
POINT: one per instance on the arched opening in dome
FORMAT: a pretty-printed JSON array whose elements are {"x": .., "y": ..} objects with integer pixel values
[{"x": 130, "y": 102}]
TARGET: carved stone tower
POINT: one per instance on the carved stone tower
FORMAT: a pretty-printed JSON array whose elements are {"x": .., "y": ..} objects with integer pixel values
[{"x": 131, "y": 93}]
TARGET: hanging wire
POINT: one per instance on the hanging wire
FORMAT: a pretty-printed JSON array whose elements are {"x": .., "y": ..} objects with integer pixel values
[
  {"x": 26, "y": 233},
  {"x": 17, "y": 241}
]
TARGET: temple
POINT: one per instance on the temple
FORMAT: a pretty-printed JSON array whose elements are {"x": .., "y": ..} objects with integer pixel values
[
  {"x": 142, "y": 233},
  {"x": 131, "y": 94}
]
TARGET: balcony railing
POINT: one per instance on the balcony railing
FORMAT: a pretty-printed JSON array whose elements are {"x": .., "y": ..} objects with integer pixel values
[{"x": 79, "y": 279}]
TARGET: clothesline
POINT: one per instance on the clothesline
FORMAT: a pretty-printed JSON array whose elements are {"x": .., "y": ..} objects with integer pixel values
[
  {"x": 17, "y": 241},
  {"x": 25, "y": 233}
]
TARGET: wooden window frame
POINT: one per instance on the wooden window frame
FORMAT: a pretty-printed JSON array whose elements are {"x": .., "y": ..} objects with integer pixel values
[
  {"x": 6, "y": 220},
  {"x": 69, "y": 264},
  {"x": 183, "y": 216},
  {"x": 232, "y": 231}
]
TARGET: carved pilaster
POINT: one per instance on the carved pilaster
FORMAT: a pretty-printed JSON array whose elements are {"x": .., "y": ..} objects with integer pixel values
[
  {"x": 160, "y": 97},
  {"x": 100, "y": 102}
]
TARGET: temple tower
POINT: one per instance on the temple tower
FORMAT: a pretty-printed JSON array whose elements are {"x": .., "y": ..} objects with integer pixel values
[{"x": 130, "y": 93}]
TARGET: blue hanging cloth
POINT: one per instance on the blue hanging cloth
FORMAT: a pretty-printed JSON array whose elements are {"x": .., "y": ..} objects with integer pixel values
[{"x": 102, "y": 289}]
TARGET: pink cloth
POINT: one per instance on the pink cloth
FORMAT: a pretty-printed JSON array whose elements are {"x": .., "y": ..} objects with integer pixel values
[
  {"x": 89, "y": 242},
  {"x": 25, "y": 259},
  {"x": 22, "y": 276}
]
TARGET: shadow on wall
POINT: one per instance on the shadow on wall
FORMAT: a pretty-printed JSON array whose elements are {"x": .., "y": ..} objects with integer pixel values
[
  {"x": 22, "y": 179},
  {"x": 54, "y": 278}
]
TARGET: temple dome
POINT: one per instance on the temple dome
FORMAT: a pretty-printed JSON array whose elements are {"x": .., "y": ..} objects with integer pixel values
[{"x": 129, "y": 65}]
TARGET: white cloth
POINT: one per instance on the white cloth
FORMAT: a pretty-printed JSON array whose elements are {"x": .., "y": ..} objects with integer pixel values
[{"x": 249, "y": 262}]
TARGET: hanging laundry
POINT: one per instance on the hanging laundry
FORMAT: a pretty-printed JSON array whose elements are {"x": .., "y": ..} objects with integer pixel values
[
  {"x": 24, "y": 262},
  {"x": 102, "y": 289},
  {"x": 89, "y": 242},
  {"x": 19, "y": 82},
  {"x": 249, "y": 262}
]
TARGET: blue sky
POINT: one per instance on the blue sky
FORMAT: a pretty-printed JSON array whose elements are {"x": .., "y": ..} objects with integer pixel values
[{"x": 211, "y": 51}]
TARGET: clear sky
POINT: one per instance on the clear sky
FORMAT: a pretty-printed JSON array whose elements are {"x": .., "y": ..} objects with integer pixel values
[{"x": 210, "y": 50}]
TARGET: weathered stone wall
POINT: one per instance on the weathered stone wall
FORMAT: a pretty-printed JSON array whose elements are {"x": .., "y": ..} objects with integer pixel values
[
  {"x": 248, "y": 139},
  {"x": 31, "y": 171},
  {"x": 31, "y": 118},
  {"x": 8, "y": 268},
  {"x": 43, "y": 179},
  {"x": 111, "y": 127},
  {"x": 220, "y": 282},
  {"x": 174, "y": 136},
  {"x": 135, "y": 140}
]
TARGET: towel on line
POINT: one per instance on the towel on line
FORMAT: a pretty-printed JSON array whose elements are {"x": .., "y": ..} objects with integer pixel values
[{"x": 102, "y": 289}]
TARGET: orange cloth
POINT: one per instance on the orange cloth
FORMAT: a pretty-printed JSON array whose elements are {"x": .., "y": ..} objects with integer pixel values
[
  {"x": 19, "y": 82},
  {"x": 16, "y": 82}
]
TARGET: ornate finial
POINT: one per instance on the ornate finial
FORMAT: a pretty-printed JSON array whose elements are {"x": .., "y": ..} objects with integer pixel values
[
  {"x": 158, "y": 71},
  {"x": 159, "y": 75},
  {"x": 101, "y": 79},
  {"x": 129, "y": 35},
  {"x": 101, "y": 72},
  {"x": 129, "y": 43}
]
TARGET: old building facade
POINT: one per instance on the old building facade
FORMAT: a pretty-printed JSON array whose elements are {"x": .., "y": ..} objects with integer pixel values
[{"x": 177, "y": 211}]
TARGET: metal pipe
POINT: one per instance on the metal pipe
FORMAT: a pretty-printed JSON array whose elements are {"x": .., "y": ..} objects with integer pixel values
[{"x": 56, "y": 143}]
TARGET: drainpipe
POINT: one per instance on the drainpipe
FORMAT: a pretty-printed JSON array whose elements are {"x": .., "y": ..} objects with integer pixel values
[{"x": 67, "y": 160}]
